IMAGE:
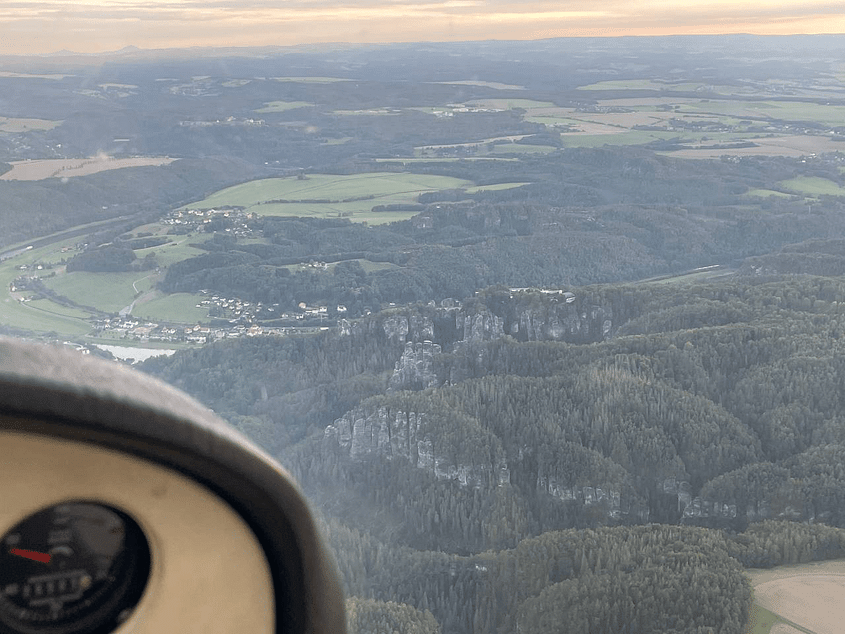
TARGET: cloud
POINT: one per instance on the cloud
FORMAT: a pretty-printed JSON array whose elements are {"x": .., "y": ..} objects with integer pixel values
[{"x": 90, "y": 25}]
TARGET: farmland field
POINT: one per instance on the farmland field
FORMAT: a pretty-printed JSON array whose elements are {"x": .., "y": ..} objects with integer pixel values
[
  {"x": 351, "y": 196},
  {"x": 60, "y": 168},
  {"x": 109, "y": 292},
  {"x": 792, "y": 145},
  {"x": 179, "y": 249},
  {"x": 283, "y": 106},
  {"x": 806, "y": 597},
  {"x": 624, "y": 137},
  {"x": 486, "y": 84},
  {"x": 496, "y": 187},
  {"x": 813, "y": 186},
  {"x": 177, "y": 307},
  {"x": 15, "y": 125}
]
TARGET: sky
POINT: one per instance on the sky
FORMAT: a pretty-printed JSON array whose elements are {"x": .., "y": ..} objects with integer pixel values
[{"x": 91, "y": 26}]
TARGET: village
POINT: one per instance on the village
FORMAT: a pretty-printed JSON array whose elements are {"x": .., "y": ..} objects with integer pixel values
[{"x": 241, "y": 319}]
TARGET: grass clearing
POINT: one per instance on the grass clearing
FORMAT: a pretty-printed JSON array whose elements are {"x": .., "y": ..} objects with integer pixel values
[
  {"x": 765, "y": 193},
  {"x": 108, "y": 292},
  {"x": 813, "y": 186},
  {"x": 177, "y": 307},
  {"x": 493, "y": 188},
  {"x": 370, "y": 267},
  {"x": 35, "y": 318},
  {"x": 283, "y": 106},
  {"x": 176, "y": 251},
  {"x": 35, "y": 315},
  {"x": 760, "y": 620},
  {"x": 632, "y": 137},
  {"x": 351, "y": 196}
]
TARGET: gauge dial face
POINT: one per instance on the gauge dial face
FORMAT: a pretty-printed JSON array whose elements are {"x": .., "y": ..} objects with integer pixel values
[{"x": 74, "y": 567}]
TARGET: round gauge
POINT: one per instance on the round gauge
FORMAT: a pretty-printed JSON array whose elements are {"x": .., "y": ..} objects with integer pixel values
[{"x": 71, "y": 568}]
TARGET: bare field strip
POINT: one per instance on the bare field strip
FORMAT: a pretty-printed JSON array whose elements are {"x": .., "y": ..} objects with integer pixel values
[
  {"x": 811, "y": 597},
  {"x": 485, "y": 84},
  {"x": 16, "y": 125},
  {"x": 68, "y": 168},
  {"x": 812, "y": 601}
]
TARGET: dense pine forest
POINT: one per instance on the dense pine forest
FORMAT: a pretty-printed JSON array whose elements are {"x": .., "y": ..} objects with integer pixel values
[{"x": 606, "y": 458}]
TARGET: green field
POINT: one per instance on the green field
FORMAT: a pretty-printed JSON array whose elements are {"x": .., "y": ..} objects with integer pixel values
[
  {"x": 369, "y": 267},
  {"x": 493, "y": 188},
  {"x": 510, "y": 104},
  {"x": 283, "y": 106},
  {"x": 108, "y": 292},
  {"x": 41, "y": 318},
  {"x": 788, "y": 110},
  {"x": 26, "y": 125},
  {"x": 632, "y": 137},
  {"x": 813, "y": 186},
  {"x": 760, "y": 620},
  {"x": 37, "y": 315},
  {"x": 175, "y": 251},
  {"x": 373, "y": 188},
  {"x": 178, "y": 307},
  {"x": 624, "y": 84}
]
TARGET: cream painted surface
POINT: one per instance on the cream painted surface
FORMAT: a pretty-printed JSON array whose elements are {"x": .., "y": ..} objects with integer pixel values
[{"x": 209, "y": 573}]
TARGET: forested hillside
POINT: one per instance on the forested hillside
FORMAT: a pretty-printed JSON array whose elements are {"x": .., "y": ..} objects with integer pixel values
[
  {"x": 501, "y": 462},
  {"x": 550, "y": 332},
  {"x": 586, "y": 216}
]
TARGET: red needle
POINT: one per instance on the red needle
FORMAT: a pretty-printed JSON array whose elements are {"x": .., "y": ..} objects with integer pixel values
[{"x": 31, "y": 554}]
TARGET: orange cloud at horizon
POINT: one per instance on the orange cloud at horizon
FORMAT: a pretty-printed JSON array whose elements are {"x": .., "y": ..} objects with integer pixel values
[{"x": 90, "y": 26}]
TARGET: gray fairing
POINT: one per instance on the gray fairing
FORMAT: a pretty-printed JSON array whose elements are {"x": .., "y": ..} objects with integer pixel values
[{"x": 62, "y": 393}]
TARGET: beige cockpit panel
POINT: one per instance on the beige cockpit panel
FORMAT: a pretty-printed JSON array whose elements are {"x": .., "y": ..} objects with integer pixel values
[{"x": 208, "y": 573}]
